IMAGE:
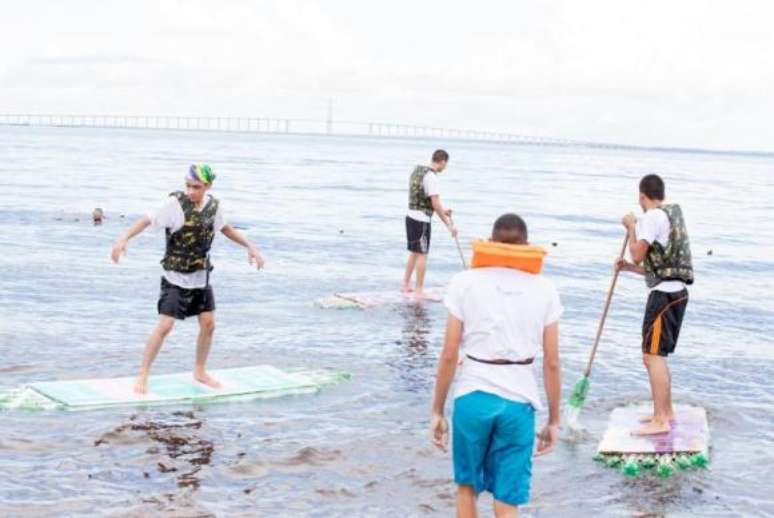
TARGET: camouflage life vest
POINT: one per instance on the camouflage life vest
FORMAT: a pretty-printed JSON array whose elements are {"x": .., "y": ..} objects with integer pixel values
[
  {"x": 188, "y": 247},
  {"x": 418, "y": 200},
  {"x": 673, "y": 262}
]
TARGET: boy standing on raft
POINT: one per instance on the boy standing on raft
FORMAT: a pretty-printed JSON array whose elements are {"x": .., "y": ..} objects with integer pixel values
[
  {"x": 659, "y": 249},
  {"x": 423, "y": 201},
  {"x": 190, "y": 219},
  {"x": 501, "y": 317}
]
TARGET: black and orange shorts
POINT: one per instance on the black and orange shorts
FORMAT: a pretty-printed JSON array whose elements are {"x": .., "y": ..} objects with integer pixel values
[{"x": 663, "y": 318}]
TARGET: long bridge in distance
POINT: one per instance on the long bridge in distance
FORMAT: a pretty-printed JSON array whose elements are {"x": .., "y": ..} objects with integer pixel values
[
  {"x": 330, "y": 127},
  {"x": 269, "y": 125}
]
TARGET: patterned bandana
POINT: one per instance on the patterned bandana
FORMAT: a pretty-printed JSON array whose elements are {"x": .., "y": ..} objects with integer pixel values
[{"x": 202, "y": 173}]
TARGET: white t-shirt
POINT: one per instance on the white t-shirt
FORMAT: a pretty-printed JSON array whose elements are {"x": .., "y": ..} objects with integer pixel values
[
  {"x": 504, "y": 313},
  {"x": 430, "y": 184},
  {"x": 171, "y": 216},
  {"x": 654, "y": 226}
]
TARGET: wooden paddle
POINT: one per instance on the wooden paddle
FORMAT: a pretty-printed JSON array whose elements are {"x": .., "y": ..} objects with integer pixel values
[
  {"x": 459, "y": 248},
  {"x": 578, "y": 396}
]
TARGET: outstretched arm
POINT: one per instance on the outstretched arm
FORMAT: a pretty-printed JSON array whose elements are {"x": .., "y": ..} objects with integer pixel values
[
  {"x": 253, "y": 256},
  {"x": 444, "y": 214},
  {"x": 549, "y": 435},
  {"x": 447, "y": 365},
  {"x": 119, "y": 247}
]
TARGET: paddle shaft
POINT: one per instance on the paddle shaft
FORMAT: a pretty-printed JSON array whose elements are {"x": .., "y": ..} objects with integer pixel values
[
  {"x": 604, "y": 312},
  {"x": 459, "y": 248},
  {"x": 462, "y": 256}
]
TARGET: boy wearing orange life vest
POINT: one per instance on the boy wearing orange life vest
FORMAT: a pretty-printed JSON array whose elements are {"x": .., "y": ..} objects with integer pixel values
[{"x": 500, "y": 318}]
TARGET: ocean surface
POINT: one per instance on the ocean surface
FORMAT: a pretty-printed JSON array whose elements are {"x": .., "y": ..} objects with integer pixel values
[{"x": 327, "y": 214}]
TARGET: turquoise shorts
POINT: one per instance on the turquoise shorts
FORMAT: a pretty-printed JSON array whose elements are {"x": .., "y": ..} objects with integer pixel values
[{"x": 492, "y": 440}]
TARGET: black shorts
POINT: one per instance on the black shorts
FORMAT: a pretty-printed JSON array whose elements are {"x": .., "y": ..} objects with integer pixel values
[
  {"x": 663, "y": 317},
  {"x": 417, "y": 236},
  {"x": 179, "y": 303}
]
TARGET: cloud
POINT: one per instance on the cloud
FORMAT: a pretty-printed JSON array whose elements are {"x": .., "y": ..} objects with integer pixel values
[
  {"x": 92, "y": 60},
  {"x": 694, "y": 72}
]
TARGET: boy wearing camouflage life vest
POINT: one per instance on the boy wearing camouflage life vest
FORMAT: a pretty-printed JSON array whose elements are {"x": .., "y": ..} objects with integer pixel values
[
  {"x": 659, "y": 249},
  {"x": 424, "y": 200},
  {"x": 190, "y": 220}
]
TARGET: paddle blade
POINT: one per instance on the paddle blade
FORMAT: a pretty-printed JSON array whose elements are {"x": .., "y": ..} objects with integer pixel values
[
  {"x": 578, "y": 396},
  {"x": 574, "y": 405}
]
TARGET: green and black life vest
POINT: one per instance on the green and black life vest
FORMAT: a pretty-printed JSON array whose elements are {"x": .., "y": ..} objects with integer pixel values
[
  {"x": 188, "y": 247},
  {"x": 418, "y": 199},
  {"x": 672, "y": 262}
]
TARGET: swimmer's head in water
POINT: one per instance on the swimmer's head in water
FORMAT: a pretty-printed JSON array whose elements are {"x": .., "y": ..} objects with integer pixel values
[{"x": 201, "y": 173}]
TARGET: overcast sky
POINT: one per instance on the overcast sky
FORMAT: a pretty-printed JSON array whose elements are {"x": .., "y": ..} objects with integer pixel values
[{"x": 674, "y": 73}]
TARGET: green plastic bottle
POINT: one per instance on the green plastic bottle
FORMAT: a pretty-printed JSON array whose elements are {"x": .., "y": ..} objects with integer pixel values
[
  {"x": 665, "y": 467},
  {"x": 631, "y": 468},
  {"x": 683, "y": 461},
  {"x": 699, "y": 460}
]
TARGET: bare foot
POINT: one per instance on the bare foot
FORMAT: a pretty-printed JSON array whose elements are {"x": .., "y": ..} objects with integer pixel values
[
  {"x": 421, "y": 295},
  {"x": 405, "y": 288},
  {"x": 653, "y": 428},
  {"x": 141, "y": 385},
  {"x": 650, "y": 418},
  {"x": 207, "y": 380}
]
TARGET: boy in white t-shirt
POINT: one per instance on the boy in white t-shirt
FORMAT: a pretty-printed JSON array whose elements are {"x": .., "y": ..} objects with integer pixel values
[
  {"x": 499, "y": 320},
  {"x": 660, "y": 250},
  {"x": 424, "y": 200},
  {"x": 190, "y": 220}
]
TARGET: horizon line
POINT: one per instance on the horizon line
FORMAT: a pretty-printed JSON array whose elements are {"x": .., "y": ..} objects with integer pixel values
[{"x": 372, "y": 129}]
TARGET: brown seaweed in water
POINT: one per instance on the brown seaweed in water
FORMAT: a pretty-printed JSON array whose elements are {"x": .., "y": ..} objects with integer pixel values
[
  {"x": 313, "y": 456},
  {"x": 179, "y": 442}
]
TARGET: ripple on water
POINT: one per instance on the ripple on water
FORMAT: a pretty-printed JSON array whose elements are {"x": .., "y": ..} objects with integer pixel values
[{"x": 360, "y": 448}]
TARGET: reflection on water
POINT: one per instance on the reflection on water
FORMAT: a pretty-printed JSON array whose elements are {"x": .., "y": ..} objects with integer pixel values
[
  {"x": 416, "y": 329},
  {"x": 415, "y": 360}
]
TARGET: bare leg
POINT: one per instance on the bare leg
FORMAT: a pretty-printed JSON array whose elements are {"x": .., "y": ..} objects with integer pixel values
[
  {"x": 670, "y": 408},
  {"x": 410, "y": 264},
  {"x": 152, "y": 348},
  {"x": 203, "y": 343},
  {"x": 658, "y": 373},
  {"x": 421, "y": 268},
  {"x": 503, "y": 510},
  {"x": 466, "y": 502}
]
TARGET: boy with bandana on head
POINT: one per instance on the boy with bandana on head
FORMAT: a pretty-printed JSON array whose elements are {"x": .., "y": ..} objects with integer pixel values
[{"x": 190, "y": 220}]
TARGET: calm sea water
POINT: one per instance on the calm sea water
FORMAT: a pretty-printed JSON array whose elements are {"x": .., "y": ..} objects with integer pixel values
[{"x": 328, "y": 215}]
